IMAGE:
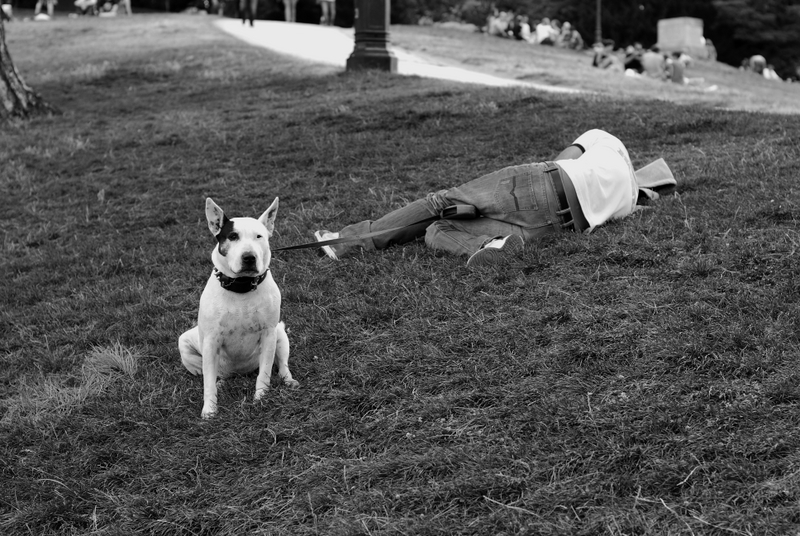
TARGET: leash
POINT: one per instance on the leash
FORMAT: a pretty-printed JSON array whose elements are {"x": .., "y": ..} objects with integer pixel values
[{"x": 455, "y": 212}]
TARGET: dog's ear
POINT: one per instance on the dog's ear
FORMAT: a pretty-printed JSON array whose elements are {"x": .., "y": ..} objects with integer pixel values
[
  {"x": 268, "y": 218},
  {"x": 215, "y": 216}
]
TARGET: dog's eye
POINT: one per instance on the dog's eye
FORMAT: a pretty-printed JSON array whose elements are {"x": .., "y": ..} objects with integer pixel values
[
  {"x": 233, "y": 236},
  {"x": 259, "y": 236}
]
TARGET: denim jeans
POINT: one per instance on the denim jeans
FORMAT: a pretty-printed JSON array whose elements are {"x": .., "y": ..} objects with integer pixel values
[{"x": 517, "y": 200}]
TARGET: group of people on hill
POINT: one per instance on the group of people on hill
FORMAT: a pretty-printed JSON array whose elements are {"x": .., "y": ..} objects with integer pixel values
[
  {"x": 638, "y": 61},
  {"x": 547, "y": 32},
  {"x": 102, "y": 8},
  {"x": 758, "y": 64}
]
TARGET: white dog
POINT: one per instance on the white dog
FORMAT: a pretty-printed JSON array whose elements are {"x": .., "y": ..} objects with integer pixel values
[{"x": 238, "y": 328}]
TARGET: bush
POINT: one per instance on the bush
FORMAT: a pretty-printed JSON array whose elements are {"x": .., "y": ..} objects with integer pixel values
[{"x": 475, "y": 12}]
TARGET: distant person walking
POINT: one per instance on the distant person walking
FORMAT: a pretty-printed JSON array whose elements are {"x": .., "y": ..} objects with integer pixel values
[
  {"x": 290, "y": 10},
  {"x": 248, "y": 10},
  {"x": 50, "y": 6},
  {"x": 589, "y": 183},
  {"x": 328, "y": 16}
]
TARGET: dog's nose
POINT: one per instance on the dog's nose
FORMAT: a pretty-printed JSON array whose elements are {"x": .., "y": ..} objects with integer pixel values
[{"x": 248, "y": 259}]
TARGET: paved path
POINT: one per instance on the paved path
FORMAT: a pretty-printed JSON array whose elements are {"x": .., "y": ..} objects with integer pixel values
[{"x": 333, "y": 45}]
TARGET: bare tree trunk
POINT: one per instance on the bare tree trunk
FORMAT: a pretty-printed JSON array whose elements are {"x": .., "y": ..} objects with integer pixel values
[{"x": 16, "y": 98}]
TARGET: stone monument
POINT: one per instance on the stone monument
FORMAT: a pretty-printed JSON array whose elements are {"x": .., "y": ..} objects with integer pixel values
[{"x": 682, "y": 34}]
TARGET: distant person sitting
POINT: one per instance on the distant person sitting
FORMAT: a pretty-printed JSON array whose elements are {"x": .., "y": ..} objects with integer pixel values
[
  {"x": 544, "y": 33},
  {"x": 86, "y": 7},
  {"x": 604, "y": 57},
  {"x": 633, "y": 57},
  {"x": 525, "y": 29},
  {"x": 498, "y": 23},
  {"x": 515, "y": 28},
  {"x": 569, "y": 38},
  {"x": 555, "y": 31},
  {"x": 756, "y": 63},
  {"x": 520, "y": 29},
  {"x": 589, "y": 183},
  {"x": 711, "y": 50},
  {"x": 654, "y": 64},
  {"x": 676, "y": 69},
  {"x": 770, "y": 74}
]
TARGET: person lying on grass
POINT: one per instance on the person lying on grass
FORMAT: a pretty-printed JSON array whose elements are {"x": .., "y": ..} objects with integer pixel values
[{"x": 589, "y": 183}]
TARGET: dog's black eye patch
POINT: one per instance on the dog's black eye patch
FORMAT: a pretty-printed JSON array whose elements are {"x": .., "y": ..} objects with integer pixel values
[
  {"x": 226, "y": 230},
  {"x": 233, "y": 236},
  {"x": 224, "y": 236}
]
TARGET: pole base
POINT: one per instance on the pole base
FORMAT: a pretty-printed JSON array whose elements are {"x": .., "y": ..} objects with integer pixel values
[{"x": 378, "y": 59}]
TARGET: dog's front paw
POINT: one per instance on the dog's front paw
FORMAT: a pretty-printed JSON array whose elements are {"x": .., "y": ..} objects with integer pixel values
[
  {"x": 260, "y": 393},
  {"x": 209, "y": 411}
]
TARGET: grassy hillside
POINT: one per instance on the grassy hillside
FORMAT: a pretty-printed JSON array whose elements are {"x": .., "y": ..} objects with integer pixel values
[
  {"x": 640, "y": 380},
  {"x": 732, "y": 89}
]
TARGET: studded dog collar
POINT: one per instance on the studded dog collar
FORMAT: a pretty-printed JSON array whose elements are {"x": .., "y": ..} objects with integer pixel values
[{"x": 241, "y": 285}]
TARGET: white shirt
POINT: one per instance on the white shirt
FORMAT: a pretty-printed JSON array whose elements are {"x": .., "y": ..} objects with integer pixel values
[
  {"x": 603, "y": 176},
  {"x": 543, "y": 31}
]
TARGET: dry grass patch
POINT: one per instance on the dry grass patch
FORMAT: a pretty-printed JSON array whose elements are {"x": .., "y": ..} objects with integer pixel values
[{"x": 50, "y": 398}]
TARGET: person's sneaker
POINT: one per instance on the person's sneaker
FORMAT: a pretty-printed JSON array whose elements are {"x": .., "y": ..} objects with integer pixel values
[
  {"x": 496, "y": 251},
  {"x": 327, "y": 235}
]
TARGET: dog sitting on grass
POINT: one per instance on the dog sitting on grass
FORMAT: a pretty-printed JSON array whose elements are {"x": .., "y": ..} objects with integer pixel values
[{"x": 238, "y": 325}]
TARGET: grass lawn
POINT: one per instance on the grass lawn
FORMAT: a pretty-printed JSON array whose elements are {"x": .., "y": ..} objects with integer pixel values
[{"x": 640, "y": 380}]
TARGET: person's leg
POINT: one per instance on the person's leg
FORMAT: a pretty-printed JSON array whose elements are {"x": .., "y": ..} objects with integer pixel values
[
  {"x": 515, "y": 200},
  {"x": 291, "y": 13},
  {"x": 51, "y": 8},
  {"x": 328, "y": 8},
  {"x": 38, "y": 7},
  {"x": 465, "y": 237},
  {"x": 402, "y": 219}
]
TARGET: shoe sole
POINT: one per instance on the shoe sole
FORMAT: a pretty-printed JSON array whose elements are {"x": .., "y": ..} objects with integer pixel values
[
  {"x": 494, "y": 256},
  {"x": 326, "y": 250}
]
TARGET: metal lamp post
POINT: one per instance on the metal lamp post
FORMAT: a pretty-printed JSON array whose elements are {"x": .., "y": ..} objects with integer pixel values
[
  {"x": 598, "y": 30},
  {"x": 372, "y": 37}
]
